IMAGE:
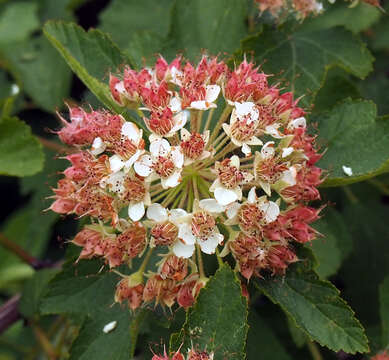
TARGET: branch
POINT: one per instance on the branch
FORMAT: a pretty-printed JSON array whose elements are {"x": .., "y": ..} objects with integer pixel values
[
  {"x": 9, "y": 313},
  {"x": 52, "y": 145}
]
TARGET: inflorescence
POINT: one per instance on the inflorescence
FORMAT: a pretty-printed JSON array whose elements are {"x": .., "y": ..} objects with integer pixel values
[{"x": 220, "y": 158}]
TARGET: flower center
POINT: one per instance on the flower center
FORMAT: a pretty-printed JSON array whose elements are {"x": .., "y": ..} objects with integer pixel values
[
  {"x": 135, "y": 190},
  {"x": 164, "y": 234},
  {"x": 229, "y": 175},
  {"x": 203, "y": 224},
  {"x": 164, "y": 167},
  {"x": 250, "y": 218},
  {"x": 243, "y": 130},
  {"x": 193, "y": 147}
]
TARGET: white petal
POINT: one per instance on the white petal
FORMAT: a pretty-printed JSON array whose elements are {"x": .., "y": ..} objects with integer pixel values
[
  {"x": 176, "y": 214},
  {"x": 273, "y": 131},
  {"x": 225, "y": 196},
  {"x": 247, "y": 109},
  {"x": 347, "y": 170},
  {"x": 160, "y": 147},
  {"x": 157, "y": 213},
  {"x": 254, "y": 141},
  {"x": 271, "y": 210},
  {"x": 211, "y": 93},
  {"x": 266, "y": 187},
  {"x": 252, "y": 196},
  {"x": 115, "y": 182},
  {"x": 110, "y": 326},
  {"x": 199, "y": 105},
  {"x": 143, "y": 166},
  {"x": 300, "y": 122},
  {"x": 289, "y": 176},
  {"x": 235, "y": 161},
  {"x": 185, "y": 134},
  {"x": 175, "y": 104},
  {"x": 177, "y": 157},
  {"x": 268, "y": 150},
  {"x": 98, "y": 146},
  {"x": 115, "y": 163},
  {"x": 131, "y": 131},
  {"x": 232, "y": 210},
  {"x": 226, "y": 129},
  {"x": 180, "y": 120},
  {"x": 211, "y": 205},
  {"x": 287, "y": 151},
  {"x": 182, "y": 250},
  {"x": 208, "y": 246},
  {"x": 246, "y": 149},
  {"x": 172, "y": 181},
  {"x": 133, "y": 158},
  {"x": 185, "y": 233},
  {"x": 136, "y": 211}
]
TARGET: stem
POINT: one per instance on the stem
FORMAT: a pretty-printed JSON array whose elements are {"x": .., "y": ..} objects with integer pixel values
[
  {"x": 209, "y": 118},
  {"x": 200, "y": 261},
  {"x": 219, "y": 259},
  {"x": 52, "y": 145},
  {"x": 221, "y": 143},
  {"x": 195, "y": 188},
  {"x": 314, "y": 350},
  {"x": 194, "y": 117},
  {"x": 9, "y": 312},
  {"x": 44, "y": 342},
  {"x": 145, "y": 260},
  {"x": 223, "y": 117}
]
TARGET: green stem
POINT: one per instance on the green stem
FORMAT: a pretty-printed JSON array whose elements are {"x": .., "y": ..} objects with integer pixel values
[
  {"x": 314, "y": 350},
  {"x": 223, "y": 117},
  {"x": 200, "y": 261},
  {"x": 145, "y": 260}
]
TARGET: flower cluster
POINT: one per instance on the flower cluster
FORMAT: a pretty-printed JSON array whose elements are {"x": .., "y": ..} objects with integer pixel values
[
  {"x": 210, "y": 157},
  {"x": 192, "y": 354}
]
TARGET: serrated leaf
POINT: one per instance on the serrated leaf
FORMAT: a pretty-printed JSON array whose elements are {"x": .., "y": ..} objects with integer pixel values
[
  {"x": 354, "y": 138},
  {"x": 80, "y": 289},
  {"x": 317, "y": 309},
  {"x": 20, "y": 152},
  {"x": 138, "y": 27},
  {"x": 335, "y": 245},
  {"x": 298, "y": 336},
  {"x": 33, "y": 290},
  {"x": 262, "y": 343},
  {"x": 384, "y": 311},
  {"x": 36, "y": 63},
  {"x": 305, "y": 57},
  {"x": 215, "y": 26},
  {"x": 93, "y": 343},
  {"x": 355, "y": 19},
  {"x": 91, "y": 55},
  {"x": 218, "y": 320},
  {"x": 18, "y": 21}
]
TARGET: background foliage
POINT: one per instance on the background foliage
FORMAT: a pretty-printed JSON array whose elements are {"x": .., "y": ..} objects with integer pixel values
[{"x": 339, "y": 60}]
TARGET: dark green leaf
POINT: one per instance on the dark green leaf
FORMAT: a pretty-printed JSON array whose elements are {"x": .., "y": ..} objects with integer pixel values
[
  {"x": 43, "y": 73},
  {"x": 215, "y": 26},
  {"x": 316, "y": 308},
  {"x": 305, "y": 57},
  {"x": 218, "y": 320},
  {"x": 262, "y": 344},
  {"x": 21, "y": 153},
  {"x": 33, "y": 290},
  {"x": 91, "y": 55},
  {"x": 93, "y": 343},
  {"x": 355, "y": 19},
  {"x": 80, "y": 289},
  {"x": 18, "y": 21},
  {"x": 354, "y": 138},
  {"x": 335, "y": 245},
  {"x": 384, "y": 310}
]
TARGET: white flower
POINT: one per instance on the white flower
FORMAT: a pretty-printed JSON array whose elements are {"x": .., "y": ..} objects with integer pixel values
[
  {"x": 207, "y": 237},
  {"x": 164, "y": 161},
  {"x": 226, "y": 188},
  {"x": 211, "y": 95},
  {"x": 192, "y": 148},
  {"x": 243, "y": 124}
]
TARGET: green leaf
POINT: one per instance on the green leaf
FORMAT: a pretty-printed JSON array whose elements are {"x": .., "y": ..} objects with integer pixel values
[
  {"x": 262, "y": 344},
  {"x": 335, "y": 246},
  {"x": 297, "y": 335},
  {"x": 354, "y": 138},
  {"x": 18, "y": 21},
  {"x": 384, "y": 311},
  {"x": 91, "y": 55},
  {"x": 305, "y": 57},
  {"x": 355, "y": 19},
  {"x": 44, "y": 74},
  {"x": 316, "y": 308},
  {"x": 21, "y": 153},
  {"x": 138, "y": 27},
  {"x": 93, "y": 343},
  {"x": 218, "y": 320},
  {"x": 80, "y": 289},
  {"x": 216, "y": 26},
  {"x": 338, "y": 86},
  {"x": 33, "y": 291}
]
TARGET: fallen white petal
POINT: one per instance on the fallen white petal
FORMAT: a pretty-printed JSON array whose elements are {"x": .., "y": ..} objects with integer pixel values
[
  {"x": 110, "y": 326},
  {"x": 347, "y": 170}
]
